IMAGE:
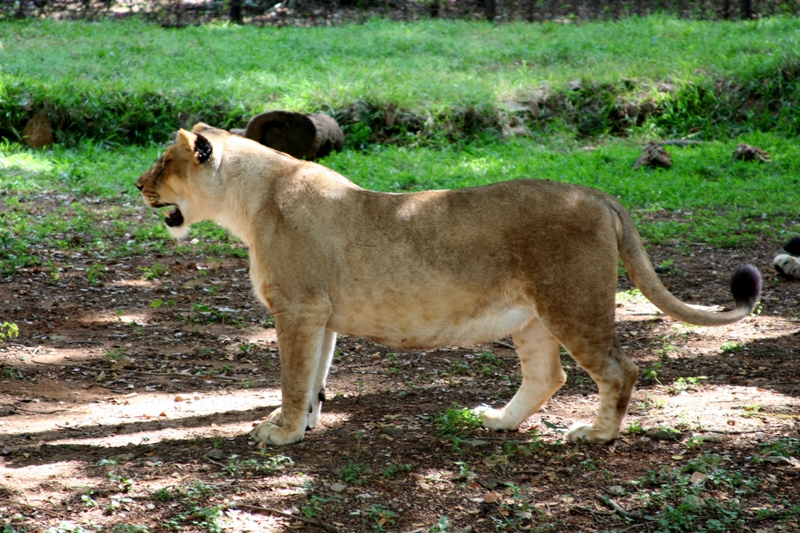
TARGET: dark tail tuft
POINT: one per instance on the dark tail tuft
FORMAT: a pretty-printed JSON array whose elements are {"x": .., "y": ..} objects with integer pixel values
[
  {"x": 793, "y": 246},
  {"x": 746, "y": 285}
]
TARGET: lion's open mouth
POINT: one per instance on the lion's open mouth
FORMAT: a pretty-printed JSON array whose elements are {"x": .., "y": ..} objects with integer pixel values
[{"x": 174, "y": 218}]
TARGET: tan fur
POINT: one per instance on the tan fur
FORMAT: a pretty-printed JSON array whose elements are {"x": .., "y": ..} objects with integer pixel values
[{"x": 533, "y": 259}]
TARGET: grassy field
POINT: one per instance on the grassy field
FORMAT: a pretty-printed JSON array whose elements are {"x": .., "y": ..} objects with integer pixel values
[
  {"x": 131, "y": 82},
  {"x": 705, "y": 197},
  {"x": 89, "y": 276},
  {"x": 99, "y": 80}
]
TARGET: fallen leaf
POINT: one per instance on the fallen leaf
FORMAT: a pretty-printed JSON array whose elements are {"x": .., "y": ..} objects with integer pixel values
[{"x": 492, "y": 497}]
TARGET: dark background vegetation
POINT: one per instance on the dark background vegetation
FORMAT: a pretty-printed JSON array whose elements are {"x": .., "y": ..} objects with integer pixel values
[{"x": 177, "y": 12}]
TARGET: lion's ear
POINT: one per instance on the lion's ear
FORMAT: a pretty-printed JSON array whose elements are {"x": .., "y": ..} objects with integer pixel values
[
  {"x": 201, "y": 126},
  {"x": 197, "y": 143}
]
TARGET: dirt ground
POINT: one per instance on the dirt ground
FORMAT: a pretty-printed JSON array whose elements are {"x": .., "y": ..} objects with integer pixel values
[{"x": 125, "y": 406}]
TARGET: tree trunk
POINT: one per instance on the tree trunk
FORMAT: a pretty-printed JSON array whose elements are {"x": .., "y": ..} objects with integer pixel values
[
  {"x": 302, "y": 136},
  {"x": 490, "y": 9},
  {"x": 236, "y": 11},
  {"x": 746, "y": 7}
]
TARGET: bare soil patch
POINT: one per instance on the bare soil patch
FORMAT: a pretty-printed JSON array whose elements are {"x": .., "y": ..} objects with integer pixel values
[{"x": 127, "y": 403}]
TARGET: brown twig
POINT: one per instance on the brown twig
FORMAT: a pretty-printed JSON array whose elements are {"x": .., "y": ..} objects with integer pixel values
[
  {"x": 595, "y": 514},
  {"x": 270, "y": 510},
  {"x": 29, "y": 507},
  {"x": 728, "y": 432},
  {"x": 505, "y": 345},
  {"x": 614, "y": 506}
]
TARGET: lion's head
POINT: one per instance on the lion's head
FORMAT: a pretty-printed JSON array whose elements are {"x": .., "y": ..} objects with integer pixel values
[{"x": 183, "y": 179}]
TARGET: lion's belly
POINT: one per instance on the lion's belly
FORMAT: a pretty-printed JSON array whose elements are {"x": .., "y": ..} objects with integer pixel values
[{"x": 430, "y": 325}]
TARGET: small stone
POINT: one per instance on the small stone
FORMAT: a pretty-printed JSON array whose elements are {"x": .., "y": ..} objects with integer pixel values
[
  {"x": 392, "y": 431},
  {"x": 216, "y": 454},
  {"x": 697, "y": 477}
]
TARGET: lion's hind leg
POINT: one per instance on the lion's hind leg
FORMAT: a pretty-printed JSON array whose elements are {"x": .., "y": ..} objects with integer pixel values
[
  {"x": 615, "y": 376},
  {"x": 542, "y": 376},
  {"x": 320, "y": 379}
]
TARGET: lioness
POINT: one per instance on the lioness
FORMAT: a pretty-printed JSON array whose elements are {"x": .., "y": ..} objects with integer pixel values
[{"x": 534, "y": 259}]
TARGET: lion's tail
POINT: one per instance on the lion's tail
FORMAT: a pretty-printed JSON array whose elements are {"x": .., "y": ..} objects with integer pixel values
[{"x": 745, "y": 282}]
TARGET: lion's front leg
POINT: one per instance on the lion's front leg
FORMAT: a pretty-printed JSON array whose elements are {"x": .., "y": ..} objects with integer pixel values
[{"x": 300, "y": 342}]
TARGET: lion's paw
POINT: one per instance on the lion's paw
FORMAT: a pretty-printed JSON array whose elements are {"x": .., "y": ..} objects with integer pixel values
[
  {"x": 787, "y": 265},
  {"x": 493, "y": 418},
  {"x": 269, "y": 432},
  {"x": 275, "y": 416},
  {"x": 589, "y": 435}
]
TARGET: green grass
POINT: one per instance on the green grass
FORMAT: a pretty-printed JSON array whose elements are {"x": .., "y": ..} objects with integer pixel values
[
  {"x": 674, "y": 502},
  {"x": 83, "y": 199},
  {"x": 115, "y": 83},
  {"x": 717, "y": 200},
  {"x": 128, "y": 81}
]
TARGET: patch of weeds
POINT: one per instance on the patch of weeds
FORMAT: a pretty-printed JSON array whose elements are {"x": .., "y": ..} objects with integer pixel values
[
  {"x": 701, "y": 496},
  {"x": 164, "y": 494},
  {"x": 456, "y": 421},
  {"x": 204, "y": 314},
  {"x": 194, "y": 507},
  {"x": 634, "y": 428},
  {"x": 158, "y": 302},
  {"x": 591, "y": 464},
  {"x": 95, "y": 273},
  {"x": 651, "y": 373},
  {"x": 489, "y": 358},
  {"x": 130, "y": 528},
  {"x": 8, "y": 331},
  {"x": 117, "y": 503},
  {"x": 535, "y": 445},
  {"x": 381, "y": 517},
  {"x": 87, "y": 499},
  {"x": 782, "y": 449},
  {"x": 685, "y": 384},
  {"x": 67, "y": 527},
  {"x": 313, "y": 509},
  {"x": 649, "y": 404},
  {"x": 155, "y": 271},
  {"x": 12, "y": 372},
  {"x": 753, "y": 410},
  {"x": 666, "y": 348},
  {"x": 465, "y": 471},
  {"x": 114, "y": 355},
  {"x": 730, "y": 347},
  {"x": 393, "y": 368},
  {"x": 667, "y": 266},
  {"x": 392, "y": 470},
  {"x": 490, "y": 363},
  {"x": 440, "y": 526},
  {"x": 516, "y": 513},
  {"x": 633, "y": 295},
  {"x": 354, "y": 474},
  {"x": 123, "y": 482},
  {"x": 265, "y": 465}
]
